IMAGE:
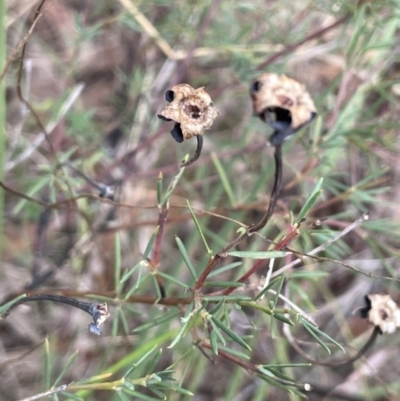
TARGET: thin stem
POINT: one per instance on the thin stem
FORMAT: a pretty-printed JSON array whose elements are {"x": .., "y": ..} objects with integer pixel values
[
  {"x": 197, "y": 153},
  {"x": 105, "y": 190},
  {"x": 358, "y": 355},
  {"x": 46, "y": 393},
  {"x": 275, "y": 190},
  {"x": 251, "y": 367},
  {"x": 252, "y": 229},
  {"x": 322, "y": 247},
  {"x": 19, "y": 81},
  {"x": 289, "y": 48},
  {"x": 97, "y": 311}
]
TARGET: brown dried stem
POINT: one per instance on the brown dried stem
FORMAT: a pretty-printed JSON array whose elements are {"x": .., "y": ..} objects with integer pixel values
[
  {"x": 252, "y": 229},
  {"x": 251, "y": 367},
  {"x": 289, "y": 48},
  {"x": 22, "y": 43}
]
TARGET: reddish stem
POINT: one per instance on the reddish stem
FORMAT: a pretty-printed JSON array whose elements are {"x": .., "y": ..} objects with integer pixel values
[{"x": 285, "y": 241}]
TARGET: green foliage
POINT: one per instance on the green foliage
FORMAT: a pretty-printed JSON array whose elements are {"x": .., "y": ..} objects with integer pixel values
[{"x": 148, "y": 253}]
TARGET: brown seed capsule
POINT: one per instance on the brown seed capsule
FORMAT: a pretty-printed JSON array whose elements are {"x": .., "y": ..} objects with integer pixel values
[
  {"x": 283, "y": 103},
  {"x": 382, "y": 312},
  {"x": 191, "y": 109}
]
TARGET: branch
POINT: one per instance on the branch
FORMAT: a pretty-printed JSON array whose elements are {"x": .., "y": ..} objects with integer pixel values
[
  {"x": 289, "y": 48},
  {"x": 98, "y": 312}
]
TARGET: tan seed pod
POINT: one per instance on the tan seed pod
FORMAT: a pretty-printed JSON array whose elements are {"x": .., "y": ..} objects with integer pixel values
[
  {"x": 283, "y": 103},
  {"x": 381, "y": 311},
  {"x": 191, "y": 109}
]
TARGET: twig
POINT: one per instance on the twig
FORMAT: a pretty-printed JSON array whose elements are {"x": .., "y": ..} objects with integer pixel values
[
  {"x": 276, "y": 189},
  {"x": 98, "y": 311},
  {"x": 46, "y": 393},
  {"x": 105, "y": 190},
  {"x": 251, "y": 367},
  {"x": 19, "y": 90},
  {"x": 282, "y": 244},
  {"x": 289, "y": 48},
  {"x": 322, "y": 247},
  {"x": 197, "y": 153},
  {"x": 21, "y": 44},
  {"x": 49, "y": 128},
  {"x": 252, "y": 229}
]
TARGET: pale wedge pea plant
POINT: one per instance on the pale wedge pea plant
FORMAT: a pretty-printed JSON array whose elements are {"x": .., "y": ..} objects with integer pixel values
[{"x": 200, "y": 200}]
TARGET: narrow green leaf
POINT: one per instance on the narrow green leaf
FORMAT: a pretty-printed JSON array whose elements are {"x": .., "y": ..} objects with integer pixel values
[
  {"x": 287, "y": 365},
  {"x": 281, "y": 375},
  {"x": 172, "y": 279},
  {"x": 283, "y": 318},
  {"x": 315, "y": 193},
  {"x": 224, "y": 268},
  {"x": 129, "y": 273},
  {"x": 223, "y": 284},
  {"x": 159, "y": 188},
  {"x": 234, "y": 352},
  {"x": 213, "y": 342},
  {"x": 172, "y": 186},
  {"x": 31, "y": 191},
  {"x": 138, "y": 352},
  {"x": 317, "y": 330},
  {"x": 185, "y": 257},
  {"x": 228, "y": 298},
  {"x": 156, "y": 391},
  {"x": 224, "y": 179},
  {"x": 259, "y": 255},
  {"x": 69, "y": 362},
  {"x": 141, "y": 396},
  {"x": 268, "y": 287},
  {"x": 4, "y": 307},
  {"x": 72, "y": 396},
  {"x": 153, "y": 363},
  {"x": 278, "y": 290},
  {"x": 121, "y": 395},
  {"x": 185, "y": 320},
  {"x": 115, "y": 325},
  {"x": 265, "y": 372},
  {"x": 156, "y": 287},
  {"x": 230, "y": 333},
  {"x": 124, "y": 322},
  {"x": 156, "y": 321},
  {"x": 199, "y": 228},
  {"x": 218, "y": 332},
  {"x": 144, "y": 357},
  {"x": 149, "y": 246},
  {"x": 275, "y": 383},
  {"x": 217, "y": 307},
  {"x": 180, "y": 335},
  {"x": 313, "y": 334},
  {"x": 177, "y": 389}
]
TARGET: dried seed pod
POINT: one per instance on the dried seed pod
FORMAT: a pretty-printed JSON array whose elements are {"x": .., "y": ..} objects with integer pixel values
[
  {"x": 283, "y": 103},
  {"x": 193, "y": 112},
  {"x": 382, "y": 312}
]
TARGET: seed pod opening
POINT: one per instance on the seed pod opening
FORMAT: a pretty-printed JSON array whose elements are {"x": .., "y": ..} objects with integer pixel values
[
  {"x": 283, "y": 103},
  {"x": 382, "y": 312},
  {"x": 192, "y": 110}
]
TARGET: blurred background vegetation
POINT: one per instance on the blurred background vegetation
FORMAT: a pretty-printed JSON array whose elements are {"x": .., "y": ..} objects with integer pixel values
[{"x": 95, "y": 73}]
